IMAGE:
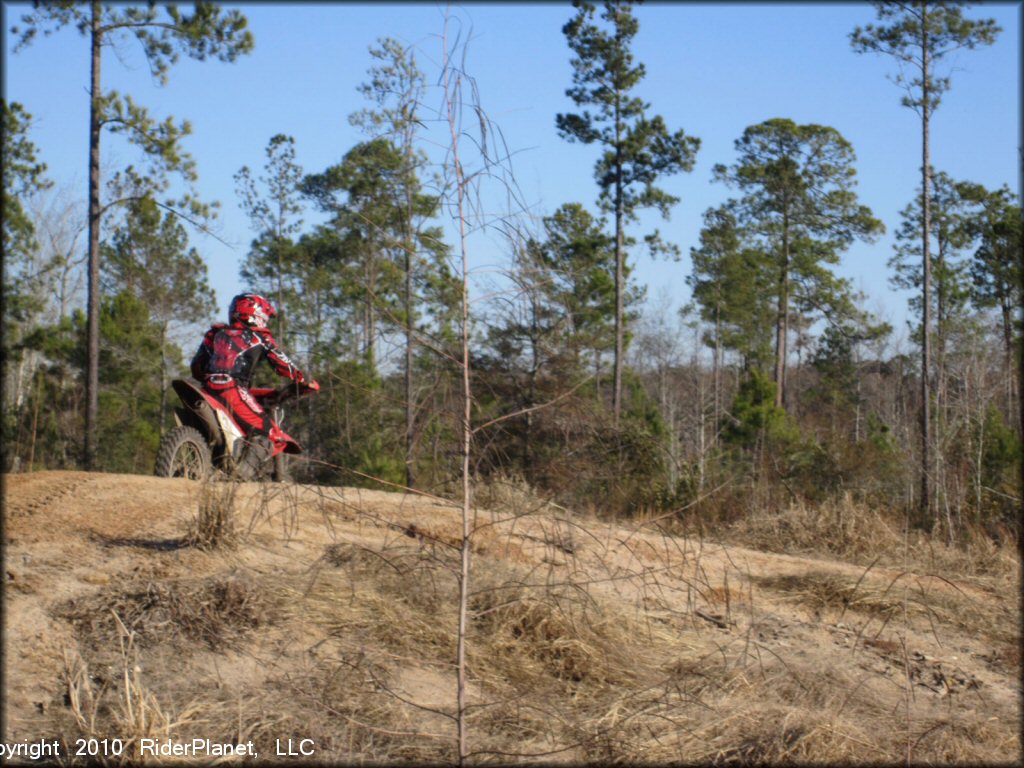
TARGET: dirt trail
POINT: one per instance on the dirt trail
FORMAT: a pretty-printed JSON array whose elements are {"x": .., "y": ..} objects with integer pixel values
[{"x": 69, "y": 536}]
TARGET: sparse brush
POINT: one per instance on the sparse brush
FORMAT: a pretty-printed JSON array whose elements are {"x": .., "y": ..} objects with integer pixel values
[
  {"x": 396, "y": 598},
  {"x": 543, "y": 632},
  {"x": 217, "y": 613},
  {"x": 82, "y": 701},
  {"x": 136, "y": 712},
  {"x": 861, "y": 534},
  {"x": 587, "y": 642},
  {"x": 214, "y": 527},
  {"x": 780, "y": 734},
  {"x": 840, "y": 528},
  {"x": 511, "y": 495},
  {"x": 356, "y": 709},
  {"x": 275, "y": 500}
]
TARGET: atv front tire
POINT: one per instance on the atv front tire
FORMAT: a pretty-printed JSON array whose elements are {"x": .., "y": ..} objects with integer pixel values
[{"x": 183, "y": 452}]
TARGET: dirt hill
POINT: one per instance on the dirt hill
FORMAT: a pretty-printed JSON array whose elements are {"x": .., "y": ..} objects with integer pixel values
[{"x": 327, "y": 629}]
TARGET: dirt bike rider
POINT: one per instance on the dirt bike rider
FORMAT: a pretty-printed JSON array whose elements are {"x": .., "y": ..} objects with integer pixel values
[{"x": 226, "y": 361}]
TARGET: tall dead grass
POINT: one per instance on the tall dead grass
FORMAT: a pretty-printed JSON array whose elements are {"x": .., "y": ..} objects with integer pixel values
[
  {"x": 855, "y": 532},
  {"x": 587, "y": 644},
  {"x": 216, "y": 613},
  {"x": 215, "y": 524},
  {"x": 123, "y": 708}
]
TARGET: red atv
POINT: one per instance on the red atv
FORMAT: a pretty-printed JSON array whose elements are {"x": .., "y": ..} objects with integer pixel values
[{"x": 207, "y": 438}]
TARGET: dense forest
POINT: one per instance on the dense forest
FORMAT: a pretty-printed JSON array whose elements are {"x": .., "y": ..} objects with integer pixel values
[{"x": 776, "y": 387}]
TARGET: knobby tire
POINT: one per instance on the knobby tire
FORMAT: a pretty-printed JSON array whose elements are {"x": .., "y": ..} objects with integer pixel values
[{"x": 183, "y": 452}]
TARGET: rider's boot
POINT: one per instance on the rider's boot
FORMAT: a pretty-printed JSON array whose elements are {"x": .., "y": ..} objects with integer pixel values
[{"x": 258, "y": 450}]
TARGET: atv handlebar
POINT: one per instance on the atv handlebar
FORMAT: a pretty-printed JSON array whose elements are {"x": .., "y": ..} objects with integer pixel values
[{"x": 271, "y": 398}]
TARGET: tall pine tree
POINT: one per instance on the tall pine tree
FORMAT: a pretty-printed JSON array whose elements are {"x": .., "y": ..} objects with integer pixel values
[
  {"x": 396, "y": 88},
  {"x": 638, "y": 149},
  {"x": 149, "y": 259},
  {"x": 919, "y": 35},
  {"x": 800, "y": 207},
  {"x": 273, "y": 204},
  {"x": 164, "y": 33}
]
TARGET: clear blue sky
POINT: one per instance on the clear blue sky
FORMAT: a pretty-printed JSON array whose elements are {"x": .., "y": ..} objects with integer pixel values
[{"x": 712, "y": 70}]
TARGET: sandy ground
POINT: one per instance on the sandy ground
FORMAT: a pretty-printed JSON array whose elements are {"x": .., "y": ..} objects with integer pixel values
[{"x": 68, "y": 535}]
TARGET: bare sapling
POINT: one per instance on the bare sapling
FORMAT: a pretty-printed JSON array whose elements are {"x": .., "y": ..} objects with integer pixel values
[{"x": 462, "y": 186}]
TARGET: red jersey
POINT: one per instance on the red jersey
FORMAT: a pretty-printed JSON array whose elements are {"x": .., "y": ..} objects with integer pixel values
[{"x": 236, "y": 350}]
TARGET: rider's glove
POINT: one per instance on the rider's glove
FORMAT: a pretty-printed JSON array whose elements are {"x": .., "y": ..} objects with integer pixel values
[{"x": 312, "y": 386}]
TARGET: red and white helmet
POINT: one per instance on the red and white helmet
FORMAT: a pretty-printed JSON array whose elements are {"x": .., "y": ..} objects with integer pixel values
[{"x": 251, "y": 309}]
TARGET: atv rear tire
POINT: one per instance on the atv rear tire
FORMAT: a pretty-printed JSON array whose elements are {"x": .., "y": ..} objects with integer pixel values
[{"x": 183, "y": 452}]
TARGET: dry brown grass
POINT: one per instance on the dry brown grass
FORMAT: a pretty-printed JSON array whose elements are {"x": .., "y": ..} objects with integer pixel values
[
  {"x": 851, "y": 531},
  {"x": 557, "y": 634},
  {"x": 336, "y": 622},
  {"x": 511, "y": 494},
  {"x": 215, "y": 525},
  {"x": 123, "y": 708},
  {"x": 937, "y": 600},
  {"x": 217, "y": 612}
]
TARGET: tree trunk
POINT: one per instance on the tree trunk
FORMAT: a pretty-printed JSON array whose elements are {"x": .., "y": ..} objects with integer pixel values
[
  {"x": 782, "y": 320},
  {"x": 531, "y": 392},
  {"x": 163, "y": 378},
  {"x": 940, "y": 408},
  {"x": 702, "y": 410},
  {"x": 467, "y": 493},
  {"x": 410, "y": 408},
  {"x": 926, "y": 287},
  {"x": 1007, "y": 314},
  {"x": 619, "y": 273},
  {"x": 280, "y": 291},
  {"x": 466, "y": 434},
  {"x": 620, "y": 215},
  {"x": 93, "y": 302},
  {"x": 717, "y": 365},
  {"x": 410, "y": 313},
  {"x": 368, "y": 323},
  {"x": 35, "y": 422}
]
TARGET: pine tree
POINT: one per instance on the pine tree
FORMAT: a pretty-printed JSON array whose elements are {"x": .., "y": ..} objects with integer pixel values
[
  {"x": 396, "y": 88},
  {"x": 638, "y": 149},
  {"x": 273, "y": 206},
  {"x": 24, "y": 283},
  {"x": 997, "y": 270},
  {"x": 733, "y": 287},
  {"x": 950, "y": 279},
  {"x": 543, "y": 335},
  {"x": 23, "y": 175},
  {"x": 148, "y": 259},
  {"x": 919, "y": 35},
  {"x": 163, "y": 36},
  {"x": 133, "y": 361},
  {"x": 363, "y": 197},
  {"x": 800, "y": 207},
  {"x": 23, "y": 287},
  {"x": 577, "y": 261}
]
